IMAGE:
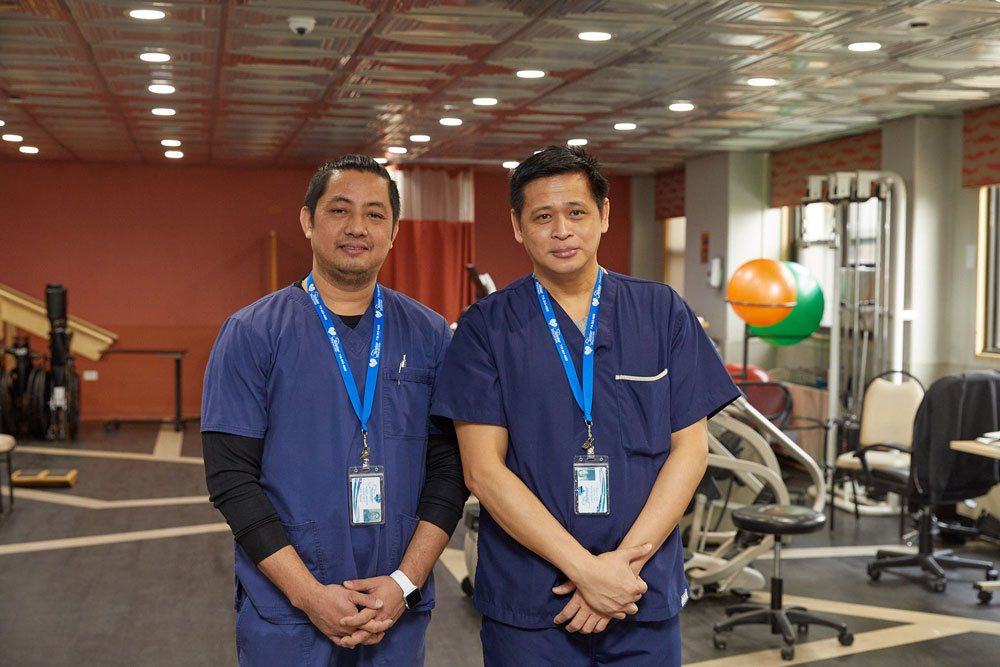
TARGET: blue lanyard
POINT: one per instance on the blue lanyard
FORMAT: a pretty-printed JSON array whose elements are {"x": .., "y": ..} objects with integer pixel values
[
  {"x": 364, "y": 412},
  {"x": 584, "y": 396}
]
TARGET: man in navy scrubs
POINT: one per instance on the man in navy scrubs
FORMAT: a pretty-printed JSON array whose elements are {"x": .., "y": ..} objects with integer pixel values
[
  {"x": 319, "y": 449},
  {"x": 580, "y": 399}
]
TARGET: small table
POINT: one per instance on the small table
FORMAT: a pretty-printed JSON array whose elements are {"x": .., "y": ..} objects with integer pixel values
[
  {"x": 178, "y": 420},
  {"x": 985, "y": 588}
]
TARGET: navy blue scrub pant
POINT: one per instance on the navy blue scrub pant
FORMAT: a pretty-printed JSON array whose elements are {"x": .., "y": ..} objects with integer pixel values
[
  {"x": 655, "y": 644},
  {"x": 260, "y": 643}
]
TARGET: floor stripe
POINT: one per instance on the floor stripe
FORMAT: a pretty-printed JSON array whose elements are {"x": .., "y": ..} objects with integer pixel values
[
  {"x": 98, "y": 504},
  {"x": 824, "y": 649},
  {"x": 103, "y": 454},
  {"x": 454, "y": 560},
  {"x": 838, "y": 552},
  {"x": 168, "y": 442},
  {"x": 113, "y": 538}
]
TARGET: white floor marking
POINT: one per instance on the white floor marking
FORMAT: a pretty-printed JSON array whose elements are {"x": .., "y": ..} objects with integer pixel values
[
  {"x": 103, "y": 454},
  {"x": 794, "y": 553},
  {"x": 168, "y": 442},
  {"x": 98, "y": 504},
  {"x": 454, "y": 560},
  {"x": 113, "y": 538}
]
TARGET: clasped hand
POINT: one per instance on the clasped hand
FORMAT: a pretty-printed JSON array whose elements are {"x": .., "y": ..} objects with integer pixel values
[
  {"x": 359, "y": 612},
  {"x": 608, "y": 588}
]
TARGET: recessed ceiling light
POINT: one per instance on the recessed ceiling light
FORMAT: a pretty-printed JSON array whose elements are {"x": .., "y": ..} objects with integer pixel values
[
  {"x": 147, "y": 14},
  {"x": 762, "y": 81},
  {"x": 161, "y": 88},
  {"x": 594, "y": 36},
  {"x": 531, "y": 74},
  {"x": 419, "y": 138},
  {"x": 625, "y": 126},
  {"x": 577, "y": 142},
  {"x": 864, "y": 46},
  {"x": 173, "y": 155},
  {"x": 399, "y": 150},
  {"x": 510, "y": 164},
  {"x": 154, "y": 57},
  {"x": 2, "y": 123},
  {"x": 381, "y": 160},
  {"x": 164, "y": 111},
  {"x": 451, "y": 122},
  {"x": 170, "y": 143},
  {"x": 30, "y": 150},
  {"x": 484, "y": 101},
  {"x": 681, "y": 106},
  {"x": 12, "y": 137}
]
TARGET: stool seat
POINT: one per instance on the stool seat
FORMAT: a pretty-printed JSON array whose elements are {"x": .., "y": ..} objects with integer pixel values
[
  {"x": 7, "y": 442},
  {"x": 778, "y": 519}
]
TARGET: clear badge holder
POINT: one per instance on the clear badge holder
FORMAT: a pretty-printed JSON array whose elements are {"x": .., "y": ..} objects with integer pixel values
[
  {"x": 591, "y": 475},
  {"x": 366, "y": 486}
]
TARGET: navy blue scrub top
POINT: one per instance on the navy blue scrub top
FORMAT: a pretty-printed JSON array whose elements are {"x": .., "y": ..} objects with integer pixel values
[
  {"x": 655, "y": 372},
  {"x": 273, "y": 375}
]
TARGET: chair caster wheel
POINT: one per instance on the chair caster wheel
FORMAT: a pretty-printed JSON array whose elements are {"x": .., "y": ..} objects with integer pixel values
[
  {"x": 873, "y": 572},
  {"x": 985, "y": 597},
  {"x": 719, "y": 642},
  {"x": 991, "y": 575},
  {"x": 845, "y": 638},
  {"x": 787, "y": 652},
  {"x": 467, "y": 586},
  {"x": 938, "y": 585}
]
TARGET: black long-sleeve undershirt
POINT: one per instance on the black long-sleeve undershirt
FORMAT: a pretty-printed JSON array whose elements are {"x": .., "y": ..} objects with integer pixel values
[{"x": 232, "y": 471}]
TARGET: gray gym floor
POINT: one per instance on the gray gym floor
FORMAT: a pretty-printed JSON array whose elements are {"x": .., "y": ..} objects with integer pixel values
[{"x": 133, "y": 566}]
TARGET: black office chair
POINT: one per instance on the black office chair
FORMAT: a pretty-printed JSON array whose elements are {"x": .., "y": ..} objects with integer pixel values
[
  {"x": 955, "y": 407},
  {"x": 778, "y": 520}
]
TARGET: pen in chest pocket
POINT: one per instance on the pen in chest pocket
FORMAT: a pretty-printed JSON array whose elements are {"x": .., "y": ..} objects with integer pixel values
[{"x": 402, "y": 365}]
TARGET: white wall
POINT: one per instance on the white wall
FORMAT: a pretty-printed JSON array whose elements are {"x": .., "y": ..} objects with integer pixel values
[
  {"x": 706, "y": 207},
  {"x": 646, "y": 250}
]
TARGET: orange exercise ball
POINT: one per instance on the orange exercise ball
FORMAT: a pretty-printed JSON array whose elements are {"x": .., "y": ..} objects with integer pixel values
[{"x": 762, "y": 292}]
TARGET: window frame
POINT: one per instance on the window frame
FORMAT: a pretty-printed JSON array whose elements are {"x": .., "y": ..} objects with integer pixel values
[{"x": 988, "y": 274}]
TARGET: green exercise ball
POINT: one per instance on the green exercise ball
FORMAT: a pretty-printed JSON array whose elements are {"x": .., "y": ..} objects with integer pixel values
[{"x": 805, "y": 316}]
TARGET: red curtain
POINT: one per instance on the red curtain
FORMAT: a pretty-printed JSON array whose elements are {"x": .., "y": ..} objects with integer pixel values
[{"x": 427, "y": 262}]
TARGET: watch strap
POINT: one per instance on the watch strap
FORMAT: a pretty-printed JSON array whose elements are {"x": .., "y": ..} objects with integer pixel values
[{"x": 405, "y": 584}]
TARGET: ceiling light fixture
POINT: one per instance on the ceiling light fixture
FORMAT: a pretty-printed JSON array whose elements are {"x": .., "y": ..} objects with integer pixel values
[
  {"x": 398, "y": 150},
  {"x": 164, "y": 111},
  {"x": 381, "y": 160},
  {"x": 625, "y": 126},
  {"x": 173, "y": 155},
  {"x": 594, "y": 36},
  {"x": 147, "y": 14},
  {"x": 12, "y": 137},
  {"x": 531, "y": 74},
  {"x": 681, "y": 106},
  {"x": 484, "y": 101},
  {"x": 762, "y": 82},
  {"x": 577, "y": 142},
  {"x": 2, "y": 123},
  {"x": 510, "y": 164},
  {"x": 451, "y": 122},
  {"x": 154, "y": 57},
  {"x": 161, "y": 88},
  {"x": 419, "y": 138},
  {"x": 864, "y": 46},
  {"x": 170, "y": 143},
  {"x": 30, "y": 150}
]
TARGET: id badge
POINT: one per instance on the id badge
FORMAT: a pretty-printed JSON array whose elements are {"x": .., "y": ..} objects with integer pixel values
[
  {"x": 367, "y": 490},
  {"x": 590, "y": 485}
]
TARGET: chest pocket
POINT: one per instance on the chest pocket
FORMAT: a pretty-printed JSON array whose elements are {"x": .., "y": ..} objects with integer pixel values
[
  {"x": 644, "y": 409},
  {"x": 407, "y": 396}
]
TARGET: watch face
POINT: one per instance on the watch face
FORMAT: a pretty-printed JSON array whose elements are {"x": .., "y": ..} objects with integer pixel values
[{"x": 413, "y": 599}]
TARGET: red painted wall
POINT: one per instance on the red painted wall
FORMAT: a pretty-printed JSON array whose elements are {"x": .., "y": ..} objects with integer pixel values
[
  {"x": 161, "y": 255},
  {"x": 498, "y": 254}
]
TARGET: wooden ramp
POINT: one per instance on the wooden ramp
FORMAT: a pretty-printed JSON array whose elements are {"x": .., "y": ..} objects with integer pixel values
[{"x": 17, "y": 309}]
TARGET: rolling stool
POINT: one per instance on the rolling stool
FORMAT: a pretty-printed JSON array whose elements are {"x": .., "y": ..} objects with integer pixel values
[
  {"x": 777, "y": 520},
  {"x": 7, "y": 444}
]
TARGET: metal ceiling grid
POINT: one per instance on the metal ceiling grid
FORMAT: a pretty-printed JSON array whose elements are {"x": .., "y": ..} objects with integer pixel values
[{"x": 374, "y": 72}]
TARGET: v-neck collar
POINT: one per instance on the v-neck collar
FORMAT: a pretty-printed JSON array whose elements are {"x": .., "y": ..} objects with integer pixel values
[{"x": 357, "y": 340}]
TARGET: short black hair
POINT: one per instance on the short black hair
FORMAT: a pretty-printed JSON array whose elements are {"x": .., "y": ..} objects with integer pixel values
[
  {"x": 552, "y": 161},
  {"x": 317, "y": 185}
]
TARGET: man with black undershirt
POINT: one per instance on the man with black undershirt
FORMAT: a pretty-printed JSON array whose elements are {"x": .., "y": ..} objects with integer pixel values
[{"x": 319, "y": 450}]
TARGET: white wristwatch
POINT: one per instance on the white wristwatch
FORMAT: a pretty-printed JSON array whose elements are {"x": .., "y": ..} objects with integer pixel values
[{"x": 411, "y": 594}]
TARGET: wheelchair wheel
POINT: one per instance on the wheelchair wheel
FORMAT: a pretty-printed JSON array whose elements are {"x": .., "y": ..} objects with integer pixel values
[
  {"x": 73, "y": 403},
  {"x": 9, "y": 423},
  {"x": 39, "y": 392}
]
